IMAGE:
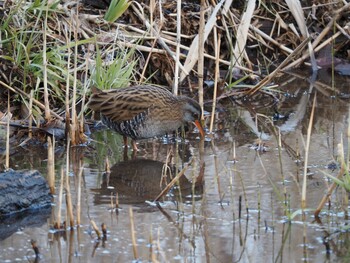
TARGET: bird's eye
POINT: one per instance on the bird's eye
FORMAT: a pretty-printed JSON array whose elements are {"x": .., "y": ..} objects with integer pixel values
[{"x": 196, "y": 116}]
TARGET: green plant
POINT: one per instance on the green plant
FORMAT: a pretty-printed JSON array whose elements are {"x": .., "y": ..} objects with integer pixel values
[
  {"x": 115, "y": 73},
  {"x": 116, "y": 9}
]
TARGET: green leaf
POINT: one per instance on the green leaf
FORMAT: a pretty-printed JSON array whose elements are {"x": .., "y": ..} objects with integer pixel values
[{"x": 116, "y": 9}]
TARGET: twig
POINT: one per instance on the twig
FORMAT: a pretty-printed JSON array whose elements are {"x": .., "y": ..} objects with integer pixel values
[
  {"x": 94, "y": 226},
  {"x": 324, "y": 32},
  {"x": 268, "y": 78},
  {"x": 329, "y": 193},
  {"x": 176, "y": 178}
]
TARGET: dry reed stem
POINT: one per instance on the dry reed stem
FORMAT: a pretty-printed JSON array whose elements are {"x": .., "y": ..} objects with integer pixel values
[
  {"x": 46, "y": 93},
  {"x": 298, "y": 14},
  {"x": 132, "y": 230},
  {"x": 200, "y": 56},
  {"x": 51, "y": 164},
  {"x": 178, "y": 42},
  {"x": 74, "y": 132},
  {"x": 176, "y": 178},
  {"x": 269, "y": 77},
  {"x": 307, "y": 148},
  {"x": 142, "y": 77},
  {"x": 327, "y": 196},
  {"x": 270, "y": 39},
  {"x": 67, "y": 113},
  {"x": 242, "y": 33},
  {"x": 192, "y": 56},
  {"x": 161, "y": 51},
  {"x": 30, "y": 128},
  {"x": 156, "y": 31},
  {"x": 341, "y": 172},
  {"x": 94, "y": 226},
  {"x": 217, "y": 42},
  {"x": 336, "y": 16},
  {"x": 7, "y": 158}
]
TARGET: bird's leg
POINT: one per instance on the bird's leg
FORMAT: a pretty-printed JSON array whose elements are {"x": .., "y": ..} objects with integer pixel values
[
  {"x": 134, "y": 146},
  {"x": 125, "y": 141}
]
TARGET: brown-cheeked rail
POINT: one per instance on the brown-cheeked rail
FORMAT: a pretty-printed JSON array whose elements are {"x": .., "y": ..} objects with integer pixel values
[{"x": 145, "y": 111}]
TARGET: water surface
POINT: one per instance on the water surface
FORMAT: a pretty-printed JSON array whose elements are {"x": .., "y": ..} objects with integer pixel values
[{"x": 233, "y": 204}]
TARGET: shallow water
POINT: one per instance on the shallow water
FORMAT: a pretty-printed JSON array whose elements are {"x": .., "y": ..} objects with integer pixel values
[{"x": 233, "y": 204}]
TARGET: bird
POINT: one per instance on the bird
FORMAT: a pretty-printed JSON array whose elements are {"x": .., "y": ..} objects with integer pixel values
[{"x": 144, "y": 111}]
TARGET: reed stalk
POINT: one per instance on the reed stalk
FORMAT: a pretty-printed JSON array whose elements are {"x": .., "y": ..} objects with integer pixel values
[
  {"x": 200, "y": 65},
  {"x": 46, "y": 93},
  {"x": 7, "y": 159},
  {"x": 307, "y": 148},
  {"x": 74, "y": 126},
  {"x": 178, "y": 43},
  {"x": 67, "y": 108},
  {"x": 217, "y": 44},
  {"x": 51, "y": 164},
  {"x": 172, "y": 182},
  {"x": 30, "y": 117},
  {"x": 133, "y": 238},
  {"x": 94, "y": 226}
]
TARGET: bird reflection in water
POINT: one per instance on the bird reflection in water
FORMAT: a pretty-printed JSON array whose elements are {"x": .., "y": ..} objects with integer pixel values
[{"x": 139, "y": 180}]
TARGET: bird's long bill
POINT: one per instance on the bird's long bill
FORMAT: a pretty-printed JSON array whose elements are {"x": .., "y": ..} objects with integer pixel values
[{"x": 200, "y": 128}]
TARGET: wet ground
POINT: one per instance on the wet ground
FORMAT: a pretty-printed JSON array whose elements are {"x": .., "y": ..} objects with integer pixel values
[{"x": 238, "y": 201}]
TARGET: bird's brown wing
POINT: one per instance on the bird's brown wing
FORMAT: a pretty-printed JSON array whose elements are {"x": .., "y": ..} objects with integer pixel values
[{"x": 124, "y": 104}]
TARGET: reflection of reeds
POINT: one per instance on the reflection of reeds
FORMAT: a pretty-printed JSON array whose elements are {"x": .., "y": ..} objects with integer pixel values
[
  {"x": 132, "y": 230},
  {"x": 57, "y": 224},
  {"x": 104, "y": 231},
  {"x": 35, "y": 247},
  {"x": 69, "y": 201},
  {"x": 80, "y": 174}
]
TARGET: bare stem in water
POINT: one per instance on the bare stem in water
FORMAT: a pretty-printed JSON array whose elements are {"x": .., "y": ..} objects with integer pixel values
[
  {"x": 51, "y": 164},
  {"x": 307, "y": 147}
]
